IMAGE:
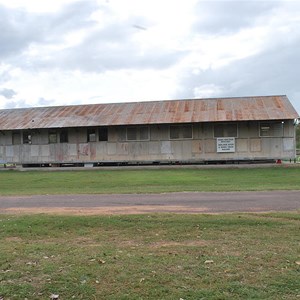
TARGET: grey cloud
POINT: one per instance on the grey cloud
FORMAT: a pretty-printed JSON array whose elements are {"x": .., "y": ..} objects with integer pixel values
[
  {"x": 73, "y": 16},
  {"x": 4, "y": 76},
  {"x": 20, "y": 28},
  {"x": 106, "y": 57},
  {"x": 227, "y": 16},
  {"x": 16, "y": 32},
  {"x": 45, "y": 102},
  {"x": 110, "y": 48},
  {"x": 20, "y": 103},
  {"x": 7, "y": 93},
  {"x": 271, "y": 72}
]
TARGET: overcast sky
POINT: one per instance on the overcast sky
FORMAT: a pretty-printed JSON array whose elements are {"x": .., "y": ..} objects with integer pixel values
[{"x": 62, "y": 52}]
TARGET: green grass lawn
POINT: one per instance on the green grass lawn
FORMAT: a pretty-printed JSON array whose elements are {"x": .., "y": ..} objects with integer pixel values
[
  {"x": 156, "y": 256},
  {"x": 148, "y": 181},
  {"x": 161, "y": 256}
]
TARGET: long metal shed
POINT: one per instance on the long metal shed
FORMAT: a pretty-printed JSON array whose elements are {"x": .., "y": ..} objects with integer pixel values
[{"x": 172, "y": 131}]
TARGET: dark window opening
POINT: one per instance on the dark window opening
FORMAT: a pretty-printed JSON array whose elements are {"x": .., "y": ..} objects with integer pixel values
[
  {"x": 138, "y": 133},
  {"x": 103, "y": 134},
  {"x": 143, "y": 133},
  {"x": 132, "y": 134},
  {"x": 16, "y": 138},
  {"x": 174, "y": 132},
  {"x": 187, "y": 132},
  {"x": 181, "y": 132},
  {"x": 63, "y": 137},
  {"x": 225, "y": 130}
]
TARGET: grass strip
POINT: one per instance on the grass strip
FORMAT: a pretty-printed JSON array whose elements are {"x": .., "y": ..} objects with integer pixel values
[
  {"x": 148, "y": 181},
  {"x": 160, "y": 256}
]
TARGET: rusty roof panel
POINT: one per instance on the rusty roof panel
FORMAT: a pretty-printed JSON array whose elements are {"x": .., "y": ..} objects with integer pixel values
[{"x": 155, "y": 112}]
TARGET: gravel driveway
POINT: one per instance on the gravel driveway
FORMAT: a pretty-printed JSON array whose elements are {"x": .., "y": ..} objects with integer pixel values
[{"x": 186, "y": 202}]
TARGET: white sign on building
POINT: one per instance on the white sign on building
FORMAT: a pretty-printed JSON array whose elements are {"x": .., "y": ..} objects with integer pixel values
[{"x": 226, "y": 144}]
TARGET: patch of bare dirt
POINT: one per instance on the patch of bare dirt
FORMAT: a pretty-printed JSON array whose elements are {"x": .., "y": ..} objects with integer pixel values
[
  {"x": 13, "y": 239},
  {"x": 162, "y": 244},
  {"x": 116, "y": 210}
]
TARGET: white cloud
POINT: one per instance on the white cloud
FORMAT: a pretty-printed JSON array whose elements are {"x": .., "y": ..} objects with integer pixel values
[
  {"x": 65, "y": 51},
  {"x": 110, "y": 86},
  {"x": 36, "y": 6}
]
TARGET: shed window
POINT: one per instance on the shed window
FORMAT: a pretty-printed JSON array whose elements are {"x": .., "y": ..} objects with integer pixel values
[
  {"x": 16, "y": 138},
  {"x": 27, "y": 137},
  {"x": 103, "y": 134},
  {"x": 144, "y": 133},
  {"x": 52, "y": 136},
  {"x": 272, "y": 129},
  {"x": 138, "y": 133},
  {"x": 91, "y": 135},
  {"x": 63, "y": 136},
  {"x": 225, "y": 130},
  {"x": 181, "y": 132},
  {"x": 174, "y": 132}
]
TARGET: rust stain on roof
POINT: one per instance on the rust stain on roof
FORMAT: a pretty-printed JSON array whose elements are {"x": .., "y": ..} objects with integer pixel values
[{"x": 155, "y": 112}]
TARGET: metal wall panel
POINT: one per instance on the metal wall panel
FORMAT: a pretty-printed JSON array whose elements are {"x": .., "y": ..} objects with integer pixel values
[{"x": 160, "y": 149}]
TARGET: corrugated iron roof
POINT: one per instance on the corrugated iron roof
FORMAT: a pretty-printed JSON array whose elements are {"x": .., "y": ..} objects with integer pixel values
[{"x": 155, "y": 112}]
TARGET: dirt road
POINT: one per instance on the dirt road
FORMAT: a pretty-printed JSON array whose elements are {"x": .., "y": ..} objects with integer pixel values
[{"x": 195, "y": 202}]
